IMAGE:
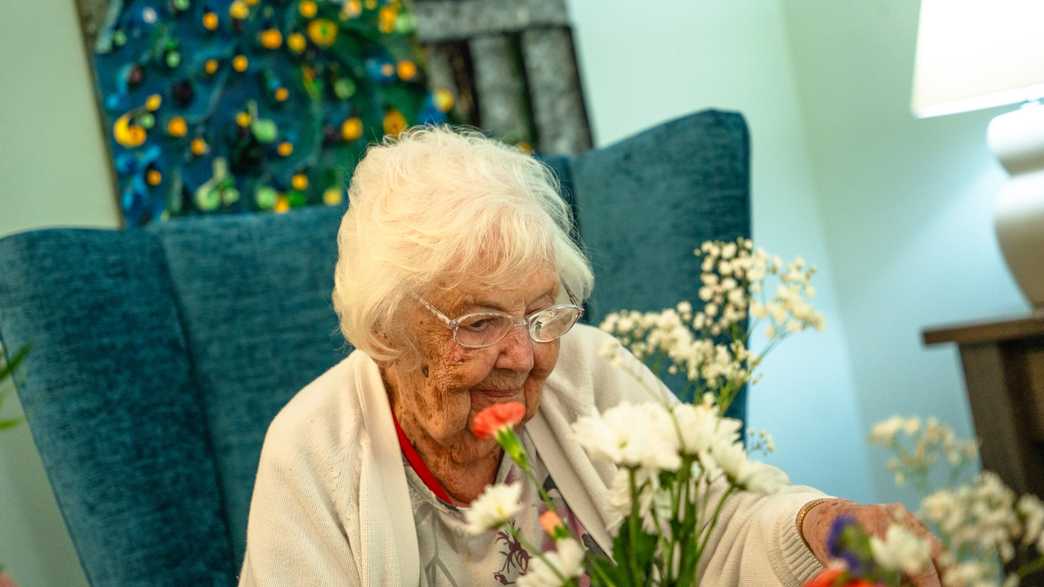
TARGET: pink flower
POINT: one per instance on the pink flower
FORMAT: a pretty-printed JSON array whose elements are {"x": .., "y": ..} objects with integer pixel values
[
  {"x": 491, "y": 420},
  {"x": 550, "y": 522}
]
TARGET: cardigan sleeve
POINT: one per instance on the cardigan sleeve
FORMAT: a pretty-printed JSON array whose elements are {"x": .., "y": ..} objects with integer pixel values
[{"x": 294, "y": 536}]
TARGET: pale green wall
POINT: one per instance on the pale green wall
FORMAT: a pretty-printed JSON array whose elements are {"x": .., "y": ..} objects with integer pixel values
[
  {"x": 52, "y": 172},
  {"x": 906, "y": 206},
  {"x": 641, "y": 67}
]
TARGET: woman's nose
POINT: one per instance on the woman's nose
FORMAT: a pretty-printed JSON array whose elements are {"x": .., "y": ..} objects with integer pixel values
[{"x": 516, "y": 350}]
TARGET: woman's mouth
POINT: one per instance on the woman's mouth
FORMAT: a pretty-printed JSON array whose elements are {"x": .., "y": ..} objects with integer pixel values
[{"x": 497, "y": 394}]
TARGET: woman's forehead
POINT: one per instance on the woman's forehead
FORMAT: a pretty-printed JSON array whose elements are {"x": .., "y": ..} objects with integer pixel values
[{"x": 517, "y": 294}]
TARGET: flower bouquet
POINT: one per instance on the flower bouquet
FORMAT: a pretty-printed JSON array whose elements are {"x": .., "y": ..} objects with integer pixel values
[
  {"x": 987, "y": 535},
  {"x": 678, "y": 463}
]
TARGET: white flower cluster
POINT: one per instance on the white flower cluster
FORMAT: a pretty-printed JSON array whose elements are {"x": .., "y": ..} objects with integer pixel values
[
  {"x": 976, "y": 521},
  {"x": 919, "y": 446},
  {"x": 668, "y": 334},
  {"x": 902, "y": 550},
  {"x": 983, "y": 519},
  {"x": 649, "y": 438},
  {"x": 733, "y": 281}
]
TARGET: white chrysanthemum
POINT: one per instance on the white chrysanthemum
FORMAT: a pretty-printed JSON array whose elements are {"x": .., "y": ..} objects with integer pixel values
[
  {"x": 701, "y": 427},
  {"x": 651, "y": 499},
  {"x": 567, "y": 559},
  {"x": 902, "y": 550},
  {"x": 631, "y": 435},
  {"x": 497, "y": 505}
]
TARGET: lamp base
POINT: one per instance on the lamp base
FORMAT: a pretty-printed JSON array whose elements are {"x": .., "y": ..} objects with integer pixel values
[{"x": 1017, "y": 139}]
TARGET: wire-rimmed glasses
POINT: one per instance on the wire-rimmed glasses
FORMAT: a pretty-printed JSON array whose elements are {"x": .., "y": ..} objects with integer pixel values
[{"x": 483, "y": 329}]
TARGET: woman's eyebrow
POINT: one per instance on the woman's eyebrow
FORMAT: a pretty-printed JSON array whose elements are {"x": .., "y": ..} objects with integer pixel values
[{"x": 491, "y": 305}]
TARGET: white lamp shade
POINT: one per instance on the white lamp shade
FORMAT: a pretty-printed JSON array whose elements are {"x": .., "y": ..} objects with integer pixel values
[{"x": 974, "y": 54}]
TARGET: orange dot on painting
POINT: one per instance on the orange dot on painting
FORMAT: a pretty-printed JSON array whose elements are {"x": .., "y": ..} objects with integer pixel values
[
  {"x": 210, "y": 20},
  {"x": 153, "y": 177},
  {"x": 243, "y": 119},
  {"x": 238, "y": 10},
  {"x": 281, "y": 94},
  {"x": 386, "y": 19},
  {"x": 296, "y": 42},
  {"x": 251, "y": 2},
  {"x": 407, "y": 69},
  {"x": 271, "y": 38},
  {"x": 199, "y": 147},
  {"x": 351, "y": 9},
  {"x": 322, "y": 32},
  {"x": 307, "y": 8},
  {"x": 351, "y": 129},
  {"x": 282, "y": 204},
  {"x": 240, "y": 63},
  {"x": 394, "y": 123},
  {"x": 153, "y": 102},
  {"x": 177, "y": 127},
  {"x": 285, "y": 149},
  {"x": 299, "y": 182},
  {"x": 210, "y": 66}
]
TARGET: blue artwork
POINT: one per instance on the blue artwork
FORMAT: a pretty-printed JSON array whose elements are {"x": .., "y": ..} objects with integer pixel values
[{"x": 252, "y": 105}]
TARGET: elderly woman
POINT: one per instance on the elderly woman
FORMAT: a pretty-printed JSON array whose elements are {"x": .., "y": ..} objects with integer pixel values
[{"x": 459, "y": 286}]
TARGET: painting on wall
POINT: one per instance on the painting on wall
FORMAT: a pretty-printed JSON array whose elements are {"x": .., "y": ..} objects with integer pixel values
[{"x": 219, "y": 106}]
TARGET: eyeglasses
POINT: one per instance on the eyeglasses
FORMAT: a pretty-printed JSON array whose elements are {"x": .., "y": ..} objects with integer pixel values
[{"x": 483, "y": 329}]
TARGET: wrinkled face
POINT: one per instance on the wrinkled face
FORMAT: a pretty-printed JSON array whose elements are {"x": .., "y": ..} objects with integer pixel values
[{"x": 440, "y": 397}]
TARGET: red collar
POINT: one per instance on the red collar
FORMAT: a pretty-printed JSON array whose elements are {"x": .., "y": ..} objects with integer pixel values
[{"x": 417, "y": 463}]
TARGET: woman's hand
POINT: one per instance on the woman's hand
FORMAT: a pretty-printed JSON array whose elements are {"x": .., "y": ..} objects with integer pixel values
[{"x": 875, "y": 519}]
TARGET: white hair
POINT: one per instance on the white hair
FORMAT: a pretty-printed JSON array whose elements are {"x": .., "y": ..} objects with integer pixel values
[{"x": 443, "y": 206}]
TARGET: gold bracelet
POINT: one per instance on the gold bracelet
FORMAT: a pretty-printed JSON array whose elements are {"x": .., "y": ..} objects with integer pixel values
[{"x": 800, "y": 521}]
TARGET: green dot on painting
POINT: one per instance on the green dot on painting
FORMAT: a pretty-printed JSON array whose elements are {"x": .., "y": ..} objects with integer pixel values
[
  {"x": 208, "y": 199},
  {"x": 344, "y": 88},
  {"x": 230, "y": 196},
  {"x": 147, "y": 120},
  {"x": 266, "y": 197},
  {"x": 296, "y": 198},
  {"x": 264, "y": 130},
  {"x": 404, "y": 24},
  {"x": 181, "y": 4},
  {"x": 173, "y": 59},
  {"x": 119, "y": 38}
]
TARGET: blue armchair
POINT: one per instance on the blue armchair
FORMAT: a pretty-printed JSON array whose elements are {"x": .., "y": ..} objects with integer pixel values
[{"x": 161, "y": 354}]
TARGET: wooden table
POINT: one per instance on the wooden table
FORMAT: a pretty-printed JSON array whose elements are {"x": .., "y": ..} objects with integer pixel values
[{"x": 1004, "y": 376}]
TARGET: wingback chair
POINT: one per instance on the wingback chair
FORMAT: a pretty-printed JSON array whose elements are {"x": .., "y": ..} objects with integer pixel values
[{"x": 160, "y": 355}]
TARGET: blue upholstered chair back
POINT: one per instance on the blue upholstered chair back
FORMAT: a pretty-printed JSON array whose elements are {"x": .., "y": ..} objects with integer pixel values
[{"x": 160, "y": 355}]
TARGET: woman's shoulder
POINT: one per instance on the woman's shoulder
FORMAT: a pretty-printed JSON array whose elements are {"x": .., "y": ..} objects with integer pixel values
[
  {"x": 588, "y": 376},
  {"x": 323, "y": 418}
]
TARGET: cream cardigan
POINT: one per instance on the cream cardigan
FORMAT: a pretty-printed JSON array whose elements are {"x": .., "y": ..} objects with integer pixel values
[{"x": 331, "y": 504}]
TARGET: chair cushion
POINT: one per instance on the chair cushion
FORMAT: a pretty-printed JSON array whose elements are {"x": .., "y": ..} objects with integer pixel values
[
  {"x": 646, "y": 202},
  {"x": 110, "y": 396},
  {"x": 253, "y": 292}
]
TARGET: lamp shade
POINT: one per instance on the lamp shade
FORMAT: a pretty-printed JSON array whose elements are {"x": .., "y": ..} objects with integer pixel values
[{"x": 974, "y": 54}]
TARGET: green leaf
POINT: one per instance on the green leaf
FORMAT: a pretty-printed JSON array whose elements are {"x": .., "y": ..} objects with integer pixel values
[
  {"x": 5, "y": 424},
  {"x": 9, "y": 367}
]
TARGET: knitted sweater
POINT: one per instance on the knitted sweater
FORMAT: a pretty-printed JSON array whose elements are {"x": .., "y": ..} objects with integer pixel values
[{"x": 331, "y": 504}]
